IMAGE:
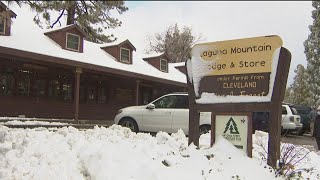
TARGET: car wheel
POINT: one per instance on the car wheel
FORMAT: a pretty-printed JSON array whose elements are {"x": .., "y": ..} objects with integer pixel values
[
  {"x": 204, "y": 129},
  {"x": 129, "y": 123}
]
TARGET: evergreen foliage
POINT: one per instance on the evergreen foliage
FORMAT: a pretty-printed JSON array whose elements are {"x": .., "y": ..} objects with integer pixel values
[
  {"x": 299, "y": 87},
  {"x": 94, "y": 17},
  {"x": 312, "y": 52}
]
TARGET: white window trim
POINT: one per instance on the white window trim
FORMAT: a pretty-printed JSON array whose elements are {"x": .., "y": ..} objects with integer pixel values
[
  {"x": 129, "y": 56},
  {"x": 4, "y": 27},
  {"x": 67, "y": 42},
  {"x": 163, "y": 70}
]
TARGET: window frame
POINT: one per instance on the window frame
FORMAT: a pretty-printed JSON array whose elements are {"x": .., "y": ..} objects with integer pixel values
[
  {"x": 77, "y": 50},
  {"x": 129, "y": 58},
  {"x": 166, "y": 70},
  {"x": 4, "y": 26}
]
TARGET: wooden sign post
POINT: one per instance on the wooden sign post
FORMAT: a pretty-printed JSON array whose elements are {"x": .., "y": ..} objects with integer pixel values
[{"x": 232, "y": 79}]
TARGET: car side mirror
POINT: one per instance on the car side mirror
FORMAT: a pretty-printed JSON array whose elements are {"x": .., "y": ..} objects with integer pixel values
[{"x": 151, "y": 106}]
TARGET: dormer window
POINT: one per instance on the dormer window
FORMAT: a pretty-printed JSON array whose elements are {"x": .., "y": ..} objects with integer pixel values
[
  {"x": 125, "y": 55},
  {"x": 73, "y": 42},
  {"x": 2, "y": 25},
  {"x": 164, "y": 65}
]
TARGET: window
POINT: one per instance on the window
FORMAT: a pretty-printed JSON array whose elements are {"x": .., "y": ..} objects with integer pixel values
[
  {"x": 2, "y": 25},
  {"x": 54, "y": 88},
  {"x": 163, "y": 65},
  {"x": 66, "y": 91},
  {"x": 6, "y": 83},
  {"x": 182, "y": 102},
  {"x": 24, "y": 82},
  {"x": 91, "y": 94},
  {"x": 294, "y": 111},
  {"x": 39, "y": 87},
  {"x": 284, "y": 110},
  {"x": 125, "y": 55},
  {"x": 166, "y": 102},
  {"x": 73, "y": 42},
  {"x": 102, "y": 95}
]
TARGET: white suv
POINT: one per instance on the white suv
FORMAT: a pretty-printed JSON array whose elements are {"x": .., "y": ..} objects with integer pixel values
[
  {"x": 290, "y": 118},
  {"x": 167, "y": 113}
]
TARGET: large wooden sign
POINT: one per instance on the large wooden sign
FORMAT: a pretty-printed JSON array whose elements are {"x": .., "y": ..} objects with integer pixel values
[
  {"x": 234, "y": 77},
  {"x": 235, "y": 68}
]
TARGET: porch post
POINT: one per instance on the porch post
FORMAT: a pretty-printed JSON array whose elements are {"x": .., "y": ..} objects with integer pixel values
[
  {"x": 76, "y": 94},
  {"x": 137, "y": 91}
]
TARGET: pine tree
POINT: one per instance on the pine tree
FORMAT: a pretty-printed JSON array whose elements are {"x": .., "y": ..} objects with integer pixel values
[
  {"x": 94, "y": 17},
  {"x": 312, "y": 52},
  {"x": 299, "y": 87},
  {"x": 288, "y": 96},
  {"x": 177, "y": 44}
]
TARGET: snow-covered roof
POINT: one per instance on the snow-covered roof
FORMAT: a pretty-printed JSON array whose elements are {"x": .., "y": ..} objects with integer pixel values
[
  {"x": 65, "y": 28},
  {"x": 57, "y": 28},
  {"x": 27, "y": 36},
  {"x": 179, "y": 64},
  {"x": 152, "y": 55},
  {"x": 114, "y": 43}
]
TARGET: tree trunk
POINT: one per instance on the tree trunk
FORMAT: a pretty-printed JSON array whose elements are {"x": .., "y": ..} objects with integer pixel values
[{"x": 71, "y": 14}]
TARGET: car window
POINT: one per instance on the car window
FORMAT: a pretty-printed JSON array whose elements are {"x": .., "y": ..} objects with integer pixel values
[
  {"x": 166, "y": 102},
  {"x": 182, "y": 102},
  {"x": 294, "y": 111},
  {"x": 284, "y": 110},
  {"x": 303, "y": 110}
]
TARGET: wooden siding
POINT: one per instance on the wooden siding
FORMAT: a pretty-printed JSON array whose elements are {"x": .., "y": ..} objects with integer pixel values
[
  {"x": 120, "y": 92},
  {"x": 115, "y": 51},
  {"x": 155, "y": 62},
  {"x": 183, "y": 69},
  {"x": 60, "y": 38}
]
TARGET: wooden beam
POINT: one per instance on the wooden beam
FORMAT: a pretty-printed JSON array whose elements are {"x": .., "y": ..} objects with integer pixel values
[
  {"x": 276, "y": 104},
  {"x": 137, "y": 91}
]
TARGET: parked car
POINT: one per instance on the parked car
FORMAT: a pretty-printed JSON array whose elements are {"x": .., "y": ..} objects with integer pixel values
[
  {"x": 290, "y": 119},
  {"x": 260, "y": 121},
  {"x": 171, "y": 112},
  {"x": 304, "y": 112},
  {"x": 167, "y": 113}
]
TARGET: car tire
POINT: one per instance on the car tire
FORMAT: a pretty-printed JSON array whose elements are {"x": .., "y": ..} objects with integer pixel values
[
  {"x": 129, "y": 123},
  {"x": 203, "y": 129},
  {"x": 301, "y": 132}
]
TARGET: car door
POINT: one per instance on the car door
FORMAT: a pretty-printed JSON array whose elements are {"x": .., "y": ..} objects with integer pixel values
[
  {"x": 160, "y": 118},
  {"x": 180, "y": 116}
]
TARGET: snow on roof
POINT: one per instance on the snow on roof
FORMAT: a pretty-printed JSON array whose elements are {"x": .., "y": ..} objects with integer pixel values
[
  {"x": 24, "y": 31},
  {"x": 152, "y": 55},
  {"x": 116, "y": 42},
  {"x": 56, "y": 28},
  {"x": 179, "y": 64}
]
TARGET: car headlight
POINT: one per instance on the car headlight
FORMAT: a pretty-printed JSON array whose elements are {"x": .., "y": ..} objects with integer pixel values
[{"x": 120, "y": 111}]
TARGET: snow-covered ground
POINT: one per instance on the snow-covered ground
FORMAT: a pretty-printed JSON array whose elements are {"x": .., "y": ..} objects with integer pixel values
[
  {"x": 116, "y": 153},
  {"x": 17, "y": 122}
]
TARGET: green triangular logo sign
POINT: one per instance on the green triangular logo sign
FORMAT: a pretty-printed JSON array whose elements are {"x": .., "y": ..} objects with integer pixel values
[{"x": 232, "y": 127}]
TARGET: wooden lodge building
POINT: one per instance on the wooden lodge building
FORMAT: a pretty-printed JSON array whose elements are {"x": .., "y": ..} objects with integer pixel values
[{"x": 56, "y": 73}]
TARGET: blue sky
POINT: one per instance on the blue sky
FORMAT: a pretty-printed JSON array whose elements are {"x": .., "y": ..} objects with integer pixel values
[{"x": 133, "y": 4}]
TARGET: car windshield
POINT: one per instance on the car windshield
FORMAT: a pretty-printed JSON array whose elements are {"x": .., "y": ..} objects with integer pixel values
[{"x": 294, "y": 111}]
